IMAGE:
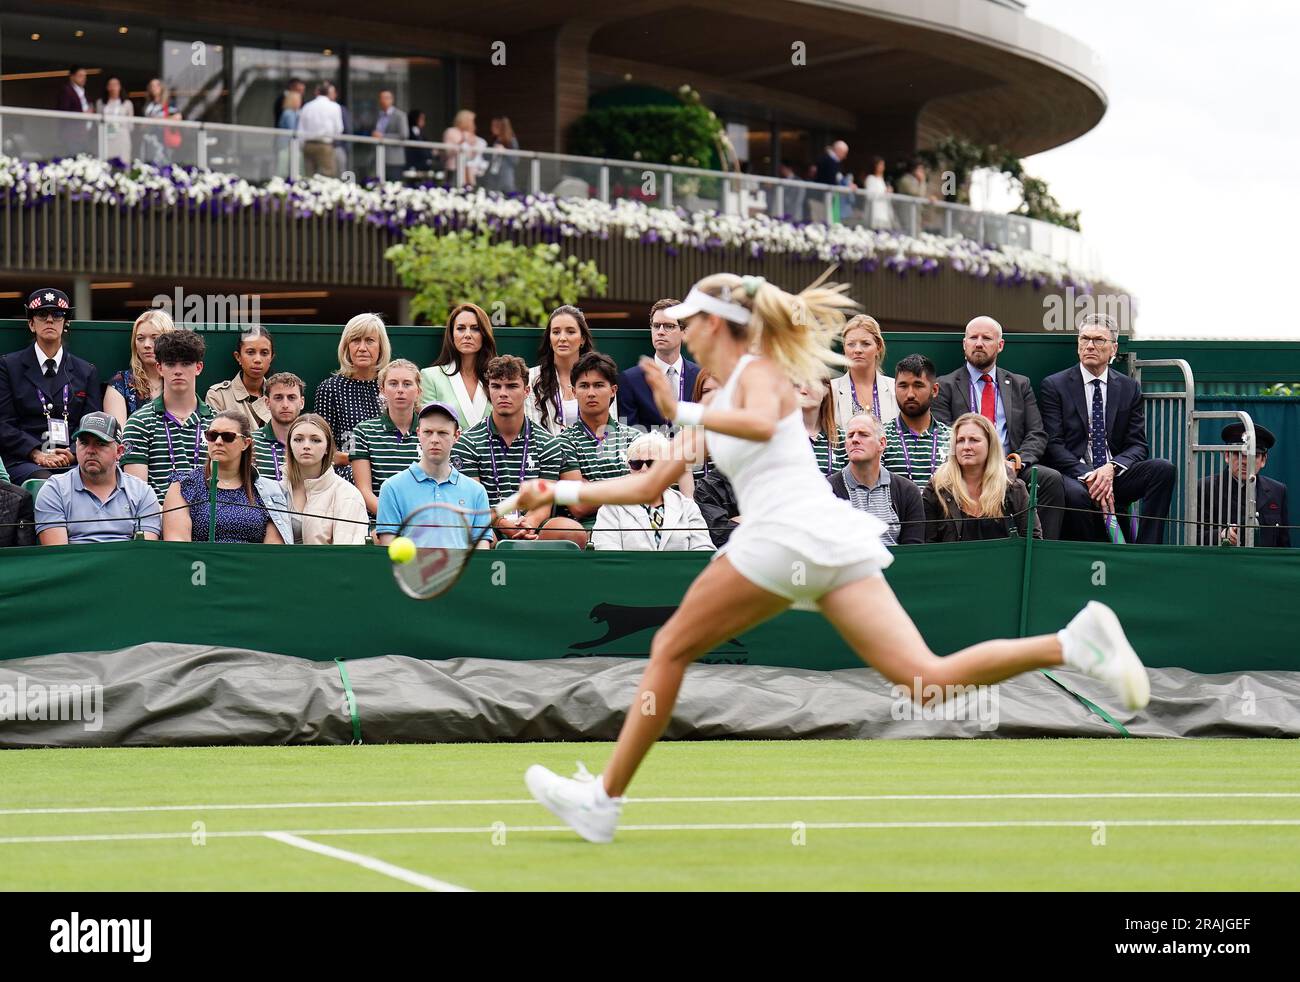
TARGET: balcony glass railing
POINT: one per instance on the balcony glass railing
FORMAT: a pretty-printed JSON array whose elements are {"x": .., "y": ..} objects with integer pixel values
[{"x": 257, "y": 154}]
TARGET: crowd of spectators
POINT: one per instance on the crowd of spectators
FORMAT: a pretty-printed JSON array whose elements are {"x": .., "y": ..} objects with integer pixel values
[
  {"x": 936, "y": 458},
  {"x": 318, "y": 118}
]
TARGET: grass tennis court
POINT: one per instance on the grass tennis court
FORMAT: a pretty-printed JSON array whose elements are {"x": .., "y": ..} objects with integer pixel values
[{"x": 856, "y": 815}]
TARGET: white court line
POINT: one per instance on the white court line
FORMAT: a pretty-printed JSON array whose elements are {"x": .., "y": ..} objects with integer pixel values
[
  {"x": 708, "y": 827},
  {"x": 453, "y": 802},
  {"x": 368, "y": 862}
]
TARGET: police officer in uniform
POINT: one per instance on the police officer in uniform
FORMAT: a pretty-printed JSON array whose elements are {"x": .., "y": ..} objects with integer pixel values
[
  {"x": 1220, "y": 496},
  {"x": 44, "y": 392}
]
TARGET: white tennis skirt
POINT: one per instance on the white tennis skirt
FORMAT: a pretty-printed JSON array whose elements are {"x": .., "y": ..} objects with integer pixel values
[{"x": 797, "y": 566}]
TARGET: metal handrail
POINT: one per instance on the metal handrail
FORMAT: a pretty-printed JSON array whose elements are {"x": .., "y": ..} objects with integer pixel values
[
  {"x": 741, "y": 193},
  {"x": 1187, "y": 397},
  {"x": 1246, "y": 506}
]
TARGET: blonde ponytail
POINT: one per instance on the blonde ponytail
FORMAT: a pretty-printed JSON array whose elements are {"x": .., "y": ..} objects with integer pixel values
[{"x": 797, "y": 331}]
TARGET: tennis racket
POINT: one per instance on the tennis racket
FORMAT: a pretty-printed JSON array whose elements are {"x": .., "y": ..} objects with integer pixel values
[{"x": 445, "y": 538}]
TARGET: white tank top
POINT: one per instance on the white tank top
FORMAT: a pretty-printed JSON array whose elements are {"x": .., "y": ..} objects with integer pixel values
[{"x": 782, "y": 493}]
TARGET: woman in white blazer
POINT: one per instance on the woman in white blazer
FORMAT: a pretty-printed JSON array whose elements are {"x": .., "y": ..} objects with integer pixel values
[
  {"x": 673, "y": 523},
  {"x": 325, "y": 509},
  {"x": 864, "y": 388}
]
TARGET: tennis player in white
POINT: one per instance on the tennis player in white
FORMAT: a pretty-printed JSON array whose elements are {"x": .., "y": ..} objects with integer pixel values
[{"x": 798, "y": 544}]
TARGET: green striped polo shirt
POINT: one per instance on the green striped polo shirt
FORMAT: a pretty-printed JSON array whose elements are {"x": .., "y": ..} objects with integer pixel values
[
  {"x": 598, "y": 460},
  {"x": 267, "y": 453},
  {"x": 923, "y": 453},
  {"x": 479, "y": 446},
  {"x": 830, "y": 459},
  {"x": 379, "y": 441},
  {"x": 146, "y": 438}
]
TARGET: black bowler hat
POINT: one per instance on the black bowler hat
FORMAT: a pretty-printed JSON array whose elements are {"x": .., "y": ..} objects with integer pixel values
[
  {"x": 48, "y": 298},
  {"x": 1235, "y": 432}
]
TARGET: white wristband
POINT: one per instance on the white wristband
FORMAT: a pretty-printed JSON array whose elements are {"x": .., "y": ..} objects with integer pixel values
[
  {"x": 689, "y": 414},
  {"x": 567, "y": 492}
]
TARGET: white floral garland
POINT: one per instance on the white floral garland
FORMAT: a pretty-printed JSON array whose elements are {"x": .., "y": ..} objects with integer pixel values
[{"x": 396, "y": 206}]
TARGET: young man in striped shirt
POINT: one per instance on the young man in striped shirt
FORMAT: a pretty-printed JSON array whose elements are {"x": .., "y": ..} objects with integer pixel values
[
  {"x": 387, "y": 444},
  {"x": 286, "y": 394},
  {"x": 916, "y": 442},
  {"x": 596, "y": 445},
  {"x": 164, "y": 438},
  {"x": 505, "y": 448}
]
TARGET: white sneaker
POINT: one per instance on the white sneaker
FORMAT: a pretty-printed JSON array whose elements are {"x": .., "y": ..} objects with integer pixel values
[
  {"x": 580, "y": 801},
  {"x": 1095, "y": 644}
]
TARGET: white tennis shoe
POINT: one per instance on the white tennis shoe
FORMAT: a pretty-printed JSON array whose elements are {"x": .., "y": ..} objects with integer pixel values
[
  {"x": 580, "y": 801},
  {"x": 1094, "y": 643}
]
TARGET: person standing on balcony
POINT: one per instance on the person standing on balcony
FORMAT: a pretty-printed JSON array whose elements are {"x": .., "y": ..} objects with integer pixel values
[
  {"x": 158, "y": 142},
  {"x": 392, "y": 124},
  {"x": 291, "y": 108},
  {"x": 117, "y": 138},
  {"x": 500, "y": 174},
  {"x": 342, "y": 149},
  {"x": 829, "y": 172},
  {"x": 464, "y": 143},
  {"x": 421, "y": 158},
  {"x": 794, "y": 202},
  {"x": 879, "y": 213},
  {"x": 914, "y": 185},
  {"x": 72, "y": 99},
  {"x": 44, "y": 392},
  {"x": 296, "y": 86},
  {"x": 319, "y": 122}
]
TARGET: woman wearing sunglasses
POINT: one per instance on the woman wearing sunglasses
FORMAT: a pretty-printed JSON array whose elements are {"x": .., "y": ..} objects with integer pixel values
[
  {"x": 249, "y": 508},
  {"x": 671, "y": 522}
]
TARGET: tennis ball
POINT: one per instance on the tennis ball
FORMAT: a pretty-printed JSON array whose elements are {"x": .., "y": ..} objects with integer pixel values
[{"x": 401, "y": 550}]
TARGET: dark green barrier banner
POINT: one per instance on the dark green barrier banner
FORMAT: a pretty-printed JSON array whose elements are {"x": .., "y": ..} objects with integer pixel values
[{"x": 1211, "y": 610}]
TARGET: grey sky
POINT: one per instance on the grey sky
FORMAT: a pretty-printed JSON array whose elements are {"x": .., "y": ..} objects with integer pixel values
[{"x": 1188, "y": 185}]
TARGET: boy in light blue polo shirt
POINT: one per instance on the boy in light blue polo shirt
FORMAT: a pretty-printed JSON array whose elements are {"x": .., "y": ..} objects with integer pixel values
[{"x": 432, "y": 480}]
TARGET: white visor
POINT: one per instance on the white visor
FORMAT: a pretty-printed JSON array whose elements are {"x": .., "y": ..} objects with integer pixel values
[{"x": 697, "y": 302}]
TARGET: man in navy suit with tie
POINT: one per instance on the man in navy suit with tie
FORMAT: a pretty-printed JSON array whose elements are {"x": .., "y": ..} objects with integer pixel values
[
  {"x": 1096, "y": 438},
  {"x": 635, "y": 402},
  {"x": 44, "y": 392}
]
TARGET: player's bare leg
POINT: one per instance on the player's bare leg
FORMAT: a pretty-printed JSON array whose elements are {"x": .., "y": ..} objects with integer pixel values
[
  {"x": 874, "y": 624},
  {"x": 719, "y": 605}
]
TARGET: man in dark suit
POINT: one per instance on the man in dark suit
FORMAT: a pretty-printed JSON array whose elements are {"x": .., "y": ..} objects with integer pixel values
[
  {"x": 636, "y": 404},
  {"x": 1007, "y": 400},
  {"x": 44, "y": 392},
  {"x": 1220, "y": 498},
  {"x": 73, "y": 98},
  {"x": 1096, "y": 438}
]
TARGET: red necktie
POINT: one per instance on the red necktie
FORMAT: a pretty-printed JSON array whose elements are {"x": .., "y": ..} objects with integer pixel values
[{"x": 989, "y": 400}]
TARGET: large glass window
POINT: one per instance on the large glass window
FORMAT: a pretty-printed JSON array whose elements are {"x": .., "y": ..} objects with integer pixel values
[
  {"x": 416, "y": 83},
  {"x": 261, "y": 74},
  {"x": 194, "y": 71}
]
